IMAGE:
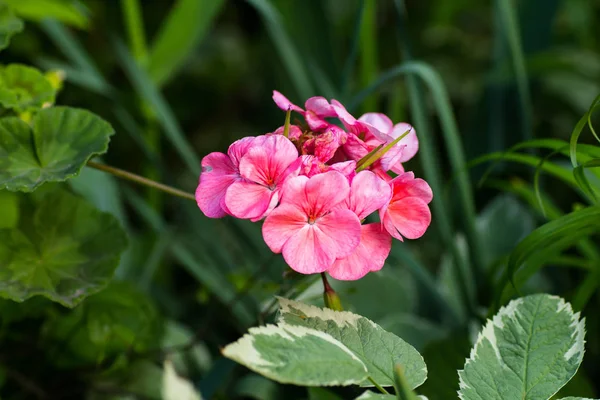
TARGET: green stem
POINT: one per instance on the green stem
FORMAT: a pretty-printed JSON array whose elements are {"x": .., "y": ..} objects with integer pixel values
[
  {"x": 141, "y": 180},
  {"x": 380, "y": 388},
  {"x": 330, "y": 297}
]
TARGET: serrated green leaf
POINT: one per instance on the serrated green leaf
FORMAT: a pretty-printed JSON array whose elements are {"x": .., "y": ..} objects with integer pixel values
[
  {"x": 175, "y": 387},
  {"x": 68, "y": 11},
  {"x": 297, "y": 355},
  {"x": 576, "y": 398},
  {"x": 24, "y": 88},
  {"x": 61, "y": 141},
  {"x": 381, "y": 396},
  {"x": 379, "y": 350},
  {"x": 9, "y": 25},
  {"x": 66, "y": 250},
  {"x": 183, "y": 29},
  {"x": 530, "y": 349}
]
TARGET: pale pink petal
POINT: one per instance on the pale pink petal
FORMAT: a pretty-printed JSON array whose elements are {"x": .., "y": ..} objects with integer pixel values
[
  {"x": 218, "y": 173},
  {"x": 308, "y": 251},
  {"x": 340, "y": 111},
  {"x": 370, "y": 255},
  {"x": 293, "y": 133},
  {"x": 398, "y": 168},
  {"x": 265, "y": 164},
  {"x": 392, "y": 157},
  {"x": 368, "y": 193},
  {"x": 410, "y": 216},
  {"x": 355, "y": 148},
  {"x": 283, "y": 103},
  {"x": 238, "y": 148},
  {"x": 274, "y": 202},
  {"x": 379, "y": 121},
  {"x": 343, "y": 228},
  {"x": 320, "y": 107},
  {"x": 281, "y": 224},
  {"x": 315, "y": 123},
  {"x": 293, "y": 192},
  {"x": 327, "y": 143},
  {"x": 410, "y": 141},
  {"x": 406, "y": 185},
  {"x": 325, "y": 190},
  {"x": 346, "y": 168},
  {"x": 248, "y": 200}
]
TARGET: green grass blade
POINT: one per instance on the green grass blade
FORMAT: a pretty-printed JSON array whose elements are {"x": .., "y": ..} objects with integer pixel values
[
  {"x": 185, "y": 27},
  {"x": 368, "y": 52},
  {"x": 285, "y": 47},
  {"x": 509, "y": 23},
  {"x": 134, "y": 22},
  {"x": 148, "y": 91},
  {"x": 352, "y": 53},
  {"x": 556, "y": 235},
  {"x": 69, "y": 12}
]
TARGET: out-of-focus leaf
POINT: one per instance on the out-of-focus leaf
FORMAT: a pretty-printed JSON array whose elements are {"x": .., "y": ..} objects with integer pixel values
[
  {"x": 62, "y": 140},
  {"x": 9, "y": 209},
  {"x": 417, "y": 331},
  {"x": 65, "y": 250},
  {"x": 24, "y": 88},
  {"x": 257, "y": 387},
  {"x": 175, "y": 387},
  {"x": 198, "y": 357},
  {"x": 68, "y": 11},
  {"x": 530, "y": 349},
  {"x": 297, "y": 355},
  {"x": 379, "y": 350},
  {"x": 185, "y": 27},
  {"x": 141, "y": 377},
  {"x": 114, "y": 321},
  {"x": 9, "y": 25},
  {"x": 580, "y": 385}
]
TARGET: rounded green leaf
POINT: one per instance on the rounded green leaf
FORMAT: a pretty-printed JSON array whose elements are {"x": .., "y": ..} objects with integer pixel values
[
  {"x": 62, "y": 140},
  {"x": 530, "y": 349},
  {"x": 9, "y": 25},
  {"x": 379, "y": 350},
  {"x": 297, "y": 355},
  {"x": 24, "y": 88},
  {"x": 64, "y": 250}
]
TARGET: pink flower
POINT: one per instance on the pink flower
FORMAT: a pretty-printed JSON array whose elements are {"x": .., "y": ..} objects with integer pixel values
[
  {"x": 368, "y": 193},
  {"x": 264, "y": 168},
  {"x": 219, "y": 171},
  {"x": 407, "y": 213},
  {"x": 317, "y": 108},
  {"x": 308, "y": 228}
]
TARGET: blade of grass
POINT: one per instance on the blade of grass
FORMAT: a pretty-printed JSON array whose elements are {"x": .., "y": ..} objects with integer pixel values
[
  {"x": 134, "y": 22},
  {"x": 509, "y": 23},
  {"x": 185, "y": 27},
  {"x": 368, "y": 52},
  {"x": 285, "y": 47},
  {"x": 147, "y": 90},
  {"x": 352, "y": 53}
]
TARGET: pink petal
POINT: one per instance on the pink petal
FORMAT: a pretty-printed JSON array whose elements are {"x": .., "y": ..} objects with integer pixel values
[
  {"x": 410, "y": 141},
  {"x": 265, "y": 164},
  {"x": 248, "y": 200},
  {"x": 308, "y": 251},
  {"x": 406, "y": 185},
  {"x": 346, "y": 168},
  {"x": 370, "y": 255},
  {"x": 320, "y": 107},
  {"x": 368, "y": 193},
  {"x": 410, "y": 216},
  {"x": 294, "y": 132},
  {"x": 283, "y": 103},
  {"x": 327, "y": 143},
  {"x": 238, "y": 148},
  {"x": 293, "y": 193},
  {"x": 281, "y": 224},
  {"x": 325, "y": 190},
  {"x": 355, "y": 148},
  {"x": 315, "y": 123},
  {"x": 379, "y": 121},
  {"x": 217, "y": 175},
  {"x": 397, "y": 168},
  {"x": 392, "y": 157},
  {"x": 343, "y": 228},
  {"x": 388, "y": 223}
]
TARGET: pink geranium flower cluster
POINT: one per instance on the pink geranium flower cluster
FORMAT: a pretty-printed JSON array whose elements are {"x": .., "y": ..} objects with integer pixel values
[{"x": 303, "y": 181}]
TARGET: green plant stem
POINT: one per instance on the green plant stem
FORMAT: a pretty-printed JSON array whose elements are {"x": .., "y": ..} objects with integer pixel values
[
  {"x": 380, "y": 388},
  {"x": 330, "y": 297},
  {"x": 141, "y": 180}
]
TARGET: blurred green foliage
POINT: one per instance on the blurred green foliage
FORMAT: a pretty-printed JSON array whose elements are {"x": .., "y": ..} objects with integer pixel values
[{"x": 180, "y": 79}]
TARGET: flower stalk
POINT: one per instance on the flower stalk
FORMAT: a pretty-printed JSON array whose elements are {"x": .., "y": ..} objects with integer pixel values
[{"x": 332, "y": 300}]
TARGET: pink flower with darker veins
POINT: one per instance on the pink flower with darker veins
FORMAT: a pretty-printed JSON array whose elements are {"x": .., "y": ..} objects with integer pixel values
[
  {"x": 368, "y": 192},
  {"x": 307, "y": 227},
  {"x": 407, "y": 213},
  {"x": 264, "y": 168},
  {"x": 219, "y": 171}
]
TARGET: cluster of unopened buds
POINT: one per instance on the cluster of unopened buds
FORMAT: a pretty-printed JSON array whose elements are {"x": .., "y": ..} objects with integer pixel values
[{"x": 315, "y": 183}]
